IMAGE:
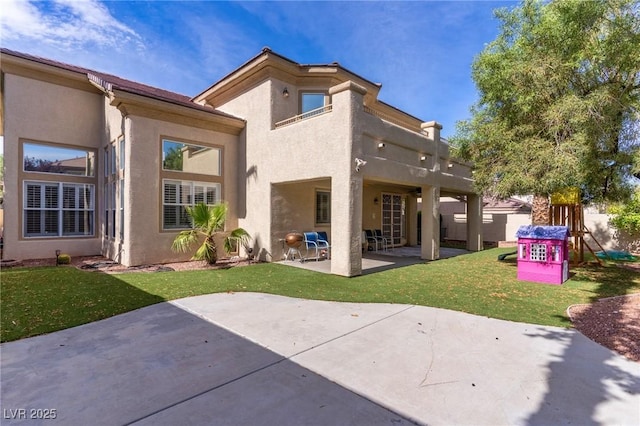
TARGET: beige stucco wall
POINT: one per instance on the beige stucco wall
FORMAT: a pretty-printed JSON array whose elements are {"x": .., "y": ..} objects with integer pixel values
[
  {"x": 144, "y": 240},
  {"x": 324, "y": 148},
  {"x": 503, "y": 227},
  {"x": 320, "y": 148},
  {"x": 36, "y": 110},
  {"x": 269, "y": 175},
  {"x": 293, "y": 210},
  {"x": 62, "y": 108}
]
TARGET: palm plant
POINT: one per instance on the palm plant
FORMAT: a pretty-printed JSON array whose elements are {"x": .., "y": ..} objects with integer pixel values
[{"x": 207, "y": 222}]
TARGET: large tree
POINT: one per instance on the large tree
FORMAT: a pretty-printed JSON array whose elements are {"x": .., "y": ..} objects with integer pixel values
[{"x": 559, "y": 99}]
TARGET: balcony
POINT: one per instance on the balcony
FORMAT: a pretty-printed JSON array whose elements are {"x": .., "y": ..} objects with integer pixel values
[
  {"x": 305, "y": 116},
  {"x": 414, "y": 127}
]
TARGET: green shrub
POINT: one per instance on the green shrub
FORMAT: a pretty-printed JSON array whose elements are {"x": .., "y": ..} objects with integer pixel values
[
  {"x": 64, "y": 259},
  {"x": 626, "y": 217}
]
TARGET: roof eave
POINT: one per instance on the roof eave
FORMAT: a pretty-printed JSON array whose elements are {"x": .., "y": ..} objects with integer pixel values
[
  {"x": 268, "y": 58},
  {"x": 137, "y": 104}
]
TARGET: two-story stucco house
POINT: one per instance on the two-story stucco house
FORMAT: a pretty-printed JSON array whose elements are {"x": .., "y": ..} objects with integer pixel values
[{"x": 95, "y": 164}]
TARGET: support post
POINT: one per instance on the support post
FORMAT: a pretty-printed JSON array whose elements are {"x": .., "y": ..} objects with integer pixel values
[
  {"x": 346, "y": 227},
  {"x": 430, "y": 249},
  {"x": 412, "y": 215},
  {"x": 474, "y": 222}
]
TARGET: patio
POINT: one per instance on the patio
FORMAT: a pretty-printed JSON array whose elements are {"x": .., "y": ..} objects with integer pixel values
[{"x": 376, "y": 261}]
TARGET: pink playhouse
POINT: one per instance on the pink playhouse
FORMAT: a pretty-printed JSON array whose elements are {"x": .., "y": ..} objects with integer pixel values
[{"x": 543, "y": 254}]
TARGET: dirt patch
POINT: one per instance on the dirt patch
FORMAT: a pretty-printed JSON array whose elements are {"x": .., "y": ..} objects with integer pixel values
[{"x": 613, "y": 322}]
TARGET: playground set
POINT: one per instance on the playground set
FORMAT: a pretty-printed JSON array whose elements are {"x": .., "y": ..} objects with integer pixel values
[
  {"x": 566, "y": 210},
  {"x": 544, "y": 252}
]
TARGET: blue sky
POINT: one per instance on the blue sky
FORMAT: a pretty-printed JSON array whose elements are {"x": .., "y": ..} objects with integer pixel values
[{"x": 420, "y": 51}]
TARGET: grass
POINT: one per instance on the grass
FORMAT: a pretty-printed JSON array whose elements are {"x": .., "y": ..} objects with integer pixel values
[{"x": 41, "y": 300}]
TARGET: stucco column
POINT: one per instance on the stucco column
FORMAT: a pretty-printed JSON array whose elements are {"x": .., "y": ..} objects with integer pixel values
[
  {"x": 430, "y": 248},
  {"x": 412, "y": 225},
  {"x": 474, "y": 222},
  {"x": 346, "y": 182},
  {"x": 346, "y": 226},
  {"x": 432, "y": 130}
]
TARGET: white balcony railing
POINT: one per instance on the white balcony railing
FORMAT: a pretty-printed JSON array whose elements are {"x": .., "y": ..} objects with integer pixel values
[{"x": 309, "y": 114}]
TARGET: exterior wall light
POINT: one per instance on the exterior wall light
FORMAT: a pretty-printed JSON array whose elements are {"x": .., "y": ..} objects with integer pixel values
[
  {"x": 381, "y": 145},
  {"x": 376, "y": 201},
  {"x": 423, "y": 158},
  {"x": 449, "y": 165},
  {"x": 285, "y": 93}
]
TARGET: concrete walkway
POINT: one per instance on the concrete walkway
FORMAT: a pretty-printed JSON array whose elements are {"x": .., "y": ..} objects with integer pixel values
[{"x": 256, "y": 359}]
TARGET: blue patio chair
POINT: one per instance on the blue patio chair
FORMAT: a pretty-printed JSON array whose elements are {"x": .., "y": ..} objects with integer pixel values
[
  {"x": 382, "y": 238},
  {"x": 371, "y": 239},
  {"x": 323, "y": 243},
  {"x": 311, "y": 242}
]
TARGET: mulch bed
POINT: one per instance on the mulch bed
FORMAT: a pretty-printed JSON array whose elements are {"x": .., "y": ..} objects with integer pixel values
[{"x": 102, "y": 264}]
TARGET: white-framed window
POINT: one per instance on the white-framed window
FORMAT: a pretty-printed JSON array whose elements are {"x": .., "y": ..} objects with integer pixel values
[
  {"x": 122, "y": 209},
  {"x": 120, "y": 183},
  {"x": 121, "y": 152},
  {"x": 310, "y": 101},
  {"x": 113, "y": 194},
  {"x": 106, "y": 199},
  {"x": 112, "y": 208},
  {"x": 58, "y": 209},
  {"x": 538, "y": 252},
  {"x": 177, "y": 194},
  {"x": 323, "y": 207},
  {"x": 112, "y": 159}
]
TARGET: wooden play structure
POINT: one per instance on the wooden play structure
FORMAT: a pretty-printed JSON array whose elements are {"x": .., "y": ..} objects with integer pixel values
[{"x": 566, "y": 210}]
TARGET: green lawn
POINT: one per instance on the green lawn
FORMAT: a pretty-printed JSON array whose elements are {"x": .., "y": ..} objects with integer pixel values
[{"x": 41, "y": 300}]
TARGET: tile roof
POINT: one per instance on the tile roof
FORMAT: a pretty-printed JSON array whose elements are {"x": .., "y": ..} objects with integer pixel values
[
  {"x": 505, "y": 204},
  {"x": 115, "y": 82}
]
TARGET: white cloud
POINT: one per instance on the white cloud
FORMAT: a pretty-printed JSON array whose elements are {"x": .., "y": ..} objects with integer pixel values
[{"x": 65, "y": 23}]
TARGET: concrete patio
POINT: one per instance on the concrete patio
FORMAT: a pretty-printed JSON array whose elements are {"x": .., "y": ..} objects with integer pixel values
[
  {"x": 376, "y": 261},
  {"x": 259, "y": 359}
]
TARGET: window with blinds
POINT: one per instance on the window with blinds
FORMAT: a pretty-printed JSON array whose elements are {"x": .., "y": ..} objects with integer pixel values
[
  {"x": 57, "y": 209},
  {"x": 179, "y": 194},
  {"x": 323, "y": 207}
]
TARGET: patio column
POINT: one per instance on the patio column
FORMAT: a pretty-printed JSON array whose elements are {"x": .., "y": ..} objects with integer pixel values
[
  {"x": 474, "y": 222},
  {"x": 346, "y": 182},
  {"x": 346, "y": 226},
  {"x": 430, "y": 248},
  {"x": 412, "y": 219}
]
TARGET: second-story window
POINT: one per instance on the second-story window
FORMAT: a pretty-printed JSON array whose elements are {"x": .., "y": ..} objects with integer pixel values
[
  {"x": 191, "y": 174},
  {"x": 312, "y": 100}
]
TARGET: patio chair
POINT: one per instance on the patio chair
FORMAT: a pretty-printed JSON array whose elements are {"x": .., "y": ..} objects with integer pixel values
[
  {"x": 312, "y": 242},
  {"x": 372, "y": 239},
  {"x": 323, "y": 243},
  {"x": 380, "y": 237}
]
